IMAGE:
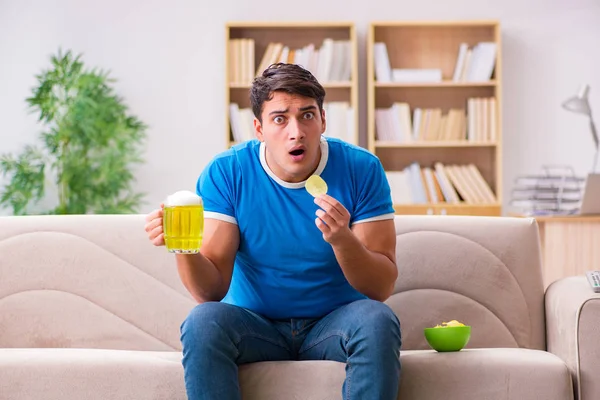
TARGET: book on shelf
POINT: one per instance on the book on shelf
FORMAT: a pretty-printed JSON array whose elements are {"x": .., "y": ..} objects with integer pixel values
[
  {"x": 452, "y": 184},
  {"x": 331, "y": 62},
  {"x": 340, "y": 120},
  {"x": 477, "y": 124},
  {"x": 473, "y": 64},
  {"x": 416, "y": 75},
  {"x": 339, "y": 116},
  {"x": 383, "y": 69}
]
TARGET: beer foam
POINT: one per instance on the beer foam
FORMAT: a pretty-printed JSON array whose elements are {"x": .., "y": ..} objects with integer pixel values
[{"x": 183, "y": 198}]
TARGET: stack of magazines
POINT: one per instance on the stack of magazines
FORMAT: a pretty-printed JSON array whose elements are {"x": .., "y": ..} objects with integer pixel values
[{"x": 557, "y": 190}]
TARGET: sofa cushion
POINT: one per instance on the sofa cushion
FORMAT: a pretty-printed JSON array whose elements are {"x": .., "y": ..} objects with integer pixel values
[
  {"x": 491, "y": 374},
  {"x": 483, "y": 271},
  {"x": 91, "y": 374},
  {"x": 88, "y": 281}
]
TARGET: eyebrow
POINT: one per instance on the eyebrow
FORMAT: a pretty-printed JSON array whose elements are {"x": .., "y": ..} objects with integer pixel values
[{"x": 302, "y": 109}]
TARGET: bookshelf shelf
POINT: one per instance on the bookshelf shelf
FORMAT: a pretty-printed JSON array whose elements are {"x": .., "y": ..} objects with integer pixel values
[
  {"x": 330, "y": 85},
  {"x": 434, "y": 114},
  {"x": 338, "y": 85},
  {"x": 277, "y": 25},
  {"x": 327, "y": 49},
  {"x": 441, "y": 144},
  {"x": 234, "y": 85},
  {"x": 436, "y": 24},
  {"x": 442, "y": 84},
  {"x": 448, "y": 209}
]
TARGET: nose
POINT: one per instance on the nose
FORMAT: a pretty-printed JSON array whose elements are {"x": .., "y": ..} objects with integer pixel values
[{"x": 294, "y": 130}]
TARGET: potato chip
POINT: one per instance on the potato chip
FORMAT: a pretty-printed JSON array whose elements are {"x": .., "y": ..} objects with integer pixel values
[
  {"x": 316, "y": 186},
  {"x": 454, "y": 323},
  {"x": 449, "y": 324}
]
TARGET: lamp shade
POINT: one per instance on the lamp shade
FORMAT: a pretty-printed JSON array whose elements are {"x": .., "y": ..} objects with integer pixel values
[{"x": 579, "y": 103}]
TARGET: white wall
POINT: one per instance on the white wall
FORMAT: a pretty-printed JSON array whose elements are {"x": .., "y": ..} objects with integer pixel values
[{"x": 168, "y": 60}]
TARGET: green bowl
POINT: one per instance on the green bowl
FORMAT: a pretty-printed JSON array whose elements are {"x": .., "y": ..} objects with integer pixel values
[{"x": 451, "y": 338}]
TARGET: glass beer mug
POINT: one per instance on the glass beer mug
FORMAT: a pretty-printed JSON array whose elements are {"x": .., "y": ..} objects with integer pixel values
[{"x": 183, "y": 222}]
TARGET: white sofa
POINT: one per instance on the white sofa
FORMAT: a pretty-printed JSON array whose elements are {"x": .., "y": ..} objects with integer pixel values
[{"x": 89, "y": 309}]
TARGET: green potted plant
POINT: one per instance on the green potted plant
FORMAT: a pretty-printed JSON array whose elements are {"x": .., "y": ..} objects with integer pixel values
[{"x": 89, "y": 143}]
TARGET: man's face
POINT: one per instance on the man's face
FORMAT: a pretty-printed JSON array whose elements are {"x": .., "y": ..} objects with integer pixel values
[{"x": 291, "y": 129}]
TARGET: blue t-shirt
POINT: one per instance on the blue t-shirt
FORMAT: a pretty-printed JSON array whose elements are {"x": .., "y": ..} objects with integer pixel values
[{"x": 284, "y": 268}]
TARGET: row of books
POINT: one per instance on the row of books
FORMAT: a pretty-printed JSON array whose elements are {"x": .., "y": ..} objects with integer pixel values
[
  {"x": 241, "y": 121},
  {"x": 478, "y": 124},
  {"x": 332, "y": 62},
  {"x": 340, "y": 121},
  {"x": 241, "y": 61},
  {"x": 439, "y": 184},
  {"x": 473, "y": 64}
]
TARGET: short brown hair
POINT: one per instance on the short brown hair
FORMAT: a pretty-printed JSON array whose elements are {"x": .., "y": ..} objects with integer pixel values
[{"x": 289, "y": 78}]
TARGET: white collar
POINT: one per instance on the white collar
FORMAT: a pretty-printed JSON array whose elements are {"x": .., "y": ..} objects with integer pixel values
[{"x": 294, "y": 185}]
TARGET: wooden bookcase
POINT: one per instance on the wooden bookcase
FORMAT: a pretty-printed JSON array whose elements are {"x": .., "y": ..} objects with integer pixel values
[
  {"x": 435, "y": 46},
  {"x": 247, "y": 43}
]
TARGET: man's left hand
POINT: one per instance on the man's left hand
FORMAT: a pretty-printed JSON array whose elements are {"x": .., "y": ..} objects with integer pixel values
[{"x": 332, "y": 219}]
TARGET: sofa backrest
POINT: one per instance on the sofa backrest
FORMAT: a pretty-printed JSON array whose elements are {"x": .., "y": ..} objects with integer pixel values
[
  {"x": 482, "y": 271},
  {"x": 87, "y": 282},
  {"x": 95, "y": 281}
]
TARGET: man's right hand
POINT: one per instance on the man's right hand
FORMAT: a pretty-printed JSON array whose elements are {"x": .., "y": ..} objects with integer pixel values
[
  {"x": 154, "y": 226},
  {"x": 206, "y": 275}
]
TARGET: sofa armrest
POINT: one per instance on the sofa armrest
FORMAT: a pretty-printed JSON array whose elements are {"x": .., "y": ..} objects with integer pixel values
[{"x": 573, "y": 332}]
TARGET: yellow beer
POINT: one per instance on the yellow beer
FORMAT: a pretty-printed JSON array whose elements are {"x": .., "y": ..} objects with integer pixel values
[{"x": 183, "y": 223}]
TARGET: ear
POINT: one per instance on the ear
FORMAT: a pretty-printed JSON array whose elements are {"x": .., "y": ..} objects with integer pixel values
[
  {"x": 258, "y": 130},
  {"x": 324, "y": 123}
]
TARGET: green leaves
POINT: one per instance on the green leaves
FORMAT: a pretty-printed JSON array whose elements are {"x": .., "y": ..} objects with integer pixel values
[
  {"x": 27, "y": 179},
  {"x": 90, "y": 143}
]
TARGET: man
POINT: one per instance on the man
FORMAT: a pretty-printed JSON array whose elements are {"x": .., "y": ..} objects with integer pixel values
[{"x": 283, "y": 276}]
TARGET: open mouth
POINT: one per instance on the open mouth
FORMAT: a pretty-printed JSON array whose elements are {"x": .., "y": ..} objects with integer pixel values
[{"x": 297, "y": 152}]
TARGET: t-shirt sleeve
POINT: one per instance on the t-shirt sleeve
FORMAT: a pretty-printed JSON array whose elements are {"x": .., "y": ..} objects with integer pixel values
[
  {"x": 216, "y": 188},
  {"x": 374, "y": 199}
]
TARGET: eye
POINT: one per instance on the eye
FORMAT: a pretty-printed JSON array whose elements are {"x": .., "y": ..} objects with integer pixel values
[
  {"x": 309, "y": 115},
  {"x": 278, "y": 119}
]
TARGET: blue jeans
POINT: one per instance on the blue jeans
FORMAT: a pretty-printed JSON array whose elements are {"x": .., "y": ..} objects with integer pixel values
[{"x": 217, "y": 337}]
